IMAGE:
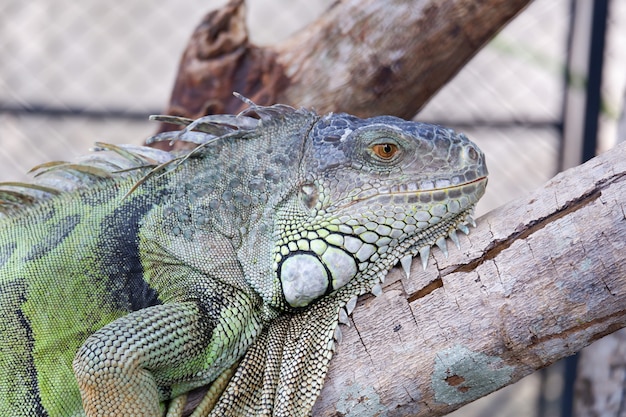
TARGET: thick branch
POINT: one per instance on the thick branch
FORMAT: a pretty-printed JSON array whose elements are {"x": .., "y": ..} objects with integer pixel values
[
  {"x": 537, "y": 280},
  {"x": 372, "y": 57},
  {"x": 366, "y": 57}
]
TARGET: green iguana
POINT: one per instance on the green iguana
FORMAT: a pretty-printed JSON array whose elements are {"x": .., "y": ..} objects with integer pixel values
[{"x": 134, "y": 276}]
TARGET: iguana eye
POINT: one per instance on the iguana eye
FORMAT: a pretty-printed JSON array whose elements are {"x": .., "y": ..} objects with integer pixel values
[{"x": 385, "y": 150}]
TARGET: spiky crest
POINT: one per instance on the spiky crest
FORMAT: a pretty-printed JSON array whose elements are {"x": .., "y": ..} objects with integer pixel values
[{"x": 53, "y": 178}]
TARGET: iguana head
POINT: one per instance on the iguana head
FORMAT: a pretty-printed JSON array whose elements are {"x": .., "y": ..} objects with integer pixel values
[
  {"x": 340, "y": 199},
  {"x": 375, "y": 191}
]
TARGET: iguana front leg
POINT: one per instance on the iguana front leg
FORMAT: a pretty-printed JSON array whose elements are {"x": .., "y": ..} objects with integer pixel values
[
  {"x": 116, "y": 367},
  {"x": 132, "y": 365}
]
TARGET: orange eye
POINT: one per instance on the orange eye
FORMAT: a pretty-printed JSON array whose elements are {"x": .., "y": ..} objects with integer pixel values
[{"x": 385, "y": 150}]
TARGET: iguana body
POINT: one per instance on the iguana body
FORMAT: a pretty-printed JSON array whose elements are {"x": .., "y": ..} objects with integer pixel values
[{"x": 131, "y": 278}]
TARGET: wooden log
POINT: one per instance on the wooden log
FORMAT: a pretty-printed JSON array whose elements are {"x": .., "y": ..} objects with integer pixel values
[
  {"x": 372, "y": 57},
  {"x": 537, "y": 280},
  {"x": 366, "y": 57}
]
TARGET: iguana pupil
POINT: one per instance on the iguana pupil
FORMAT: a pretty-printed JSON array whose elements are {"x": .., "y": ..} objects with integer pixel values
[{"x": 385, "y": 150}]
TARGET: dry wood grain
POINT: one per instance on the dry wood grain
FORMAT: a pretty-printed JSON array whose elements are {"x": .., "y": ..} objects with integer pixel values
[
  {"x": 366, "y": 57},
  {"x": 372, "y": 57},
  {"x": 537, "y": 280}
]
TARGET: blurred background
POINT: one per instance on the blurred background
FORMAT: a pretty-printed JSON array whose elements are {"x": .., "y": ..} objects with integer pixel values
[{"x": 543, "y": 96}]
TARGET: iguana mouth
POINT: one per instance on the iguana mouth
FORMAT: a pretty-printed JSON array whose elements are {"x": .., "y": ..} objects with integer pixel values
[
  {"x": 437, "y": 233},
  {"x": 403, "y": 193},
  {"x": 437, "y": 236}
]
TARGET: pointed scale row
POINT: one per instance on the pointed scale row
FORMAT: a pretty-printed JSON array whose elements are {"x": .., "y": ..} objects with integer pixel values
[
  {"x": 424, "y": 251},
  {"x": 209, "y": 128},
  {"x": 346, "y": 311},
  {"x": 54, "y": 178}
]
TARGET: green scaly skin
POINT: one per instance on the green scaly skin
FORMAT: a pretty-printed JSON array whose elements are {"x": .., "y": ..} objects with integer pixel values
[{"x": 135, "y": 276}]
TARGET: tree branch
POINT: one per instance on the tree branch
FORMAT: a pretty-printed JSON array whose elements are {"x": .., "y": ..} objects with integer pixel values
[
  {"x": 537, "y": 280},
  {"x": 365, "y": 57},
  {"x": 372, "y": 57}
]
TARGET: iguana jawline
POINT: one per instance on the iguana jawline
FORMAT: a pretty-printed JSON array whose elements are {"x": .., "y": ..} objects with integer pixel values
[{"x": 356, "y": 200}]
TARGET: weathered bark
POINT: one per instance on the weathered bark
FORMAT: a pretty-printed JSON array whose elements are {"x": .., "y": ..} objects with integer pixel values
[
  {"x": 371, "y": 57},
  {"x": 364, "y": 57},
  {"x": 220, "y": 60},
  {"x": 537, "y": 280}
]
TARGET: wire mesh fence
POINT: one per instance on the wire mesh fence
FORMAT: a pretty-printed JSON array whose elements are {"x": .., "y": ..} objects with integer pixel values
[{"x": 72, "y": 73}]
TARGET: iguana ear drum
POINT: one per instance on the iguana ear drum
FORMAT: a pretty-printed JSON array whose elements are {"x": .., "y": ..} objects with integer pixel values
[
  {"x": 309, "y": 195},
  {"x": 305, "y": 276}
]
